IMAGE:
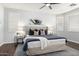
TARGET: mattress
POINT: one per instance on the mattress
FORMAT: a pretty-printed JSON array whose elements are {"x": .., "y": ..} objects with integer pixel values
[{"x": 35, "y": 44}]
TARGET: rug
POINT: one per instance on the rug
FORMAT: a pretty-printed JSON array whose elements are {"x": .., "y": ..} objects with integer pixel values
[{"x": 68, "y": 52}]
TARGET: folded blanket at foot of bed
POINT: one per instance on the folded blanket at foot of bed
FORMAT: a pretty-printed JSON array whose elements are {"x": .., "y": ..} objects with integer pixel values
[
  {"x": 25, "y": 46},
  {"x": 43, "y": 42}
]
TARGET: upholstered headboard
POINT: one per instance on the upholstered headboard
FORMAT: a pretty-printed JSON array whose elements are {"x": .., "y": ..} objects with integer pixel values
[
  {"x": 39, "y": 32},
  {"x": 32, "y": 29}
]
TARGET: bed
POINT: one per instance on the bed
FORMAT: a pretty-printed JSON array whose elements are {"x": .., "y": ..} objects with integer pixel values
[{"x": 55, "y": 43}]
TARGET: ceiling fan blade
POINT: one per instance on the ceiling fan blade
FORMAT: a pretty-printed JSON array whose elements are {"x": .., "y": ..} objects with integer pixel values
[
  {"x": 54, "y": 3},
  {"x": 43, "y": 6},
  {"x": 50, "y": 7}
]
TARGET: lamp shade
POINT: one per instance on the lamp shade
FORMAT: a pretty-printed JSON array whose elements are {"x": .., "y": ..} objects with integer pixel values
[{"x": 20, "y": 33}]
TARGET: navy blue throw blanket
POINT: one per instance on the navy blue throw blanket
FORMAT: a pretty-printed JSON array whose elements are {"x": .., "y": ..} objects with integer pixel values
[
  {"x": 25, "y": 47},
  {"x": 49, "y": 37}
]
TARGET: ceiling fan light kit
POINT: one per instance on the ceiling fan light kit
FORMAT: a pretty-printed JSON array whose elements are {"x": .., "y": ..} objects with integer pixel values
[{"x": 48, "y": 5}]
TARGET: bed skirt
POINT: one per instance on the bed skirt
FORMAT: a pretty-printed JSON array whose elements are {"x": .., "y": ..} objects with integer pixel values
[{"x": 52, "y": 48}]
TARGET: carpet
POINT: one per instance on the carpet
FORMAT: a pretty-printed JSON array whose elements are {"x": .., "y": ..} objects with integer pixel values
[
  {"x": 68, "y": 52},
  {"x": 7, "y": 49}
]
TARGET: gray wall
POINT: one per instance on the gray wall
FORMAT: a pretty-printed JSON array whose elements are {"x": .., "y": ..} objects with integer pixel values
[
  {"x": 70, "y": 25},
  {"x": 1, "y": 24},
  {"x": 13, "y": 16}
]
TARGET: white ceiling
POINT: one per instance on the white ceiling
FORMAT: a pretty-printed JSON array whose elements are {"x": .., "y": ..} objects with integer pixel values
[{"x": 56, "y": 9}]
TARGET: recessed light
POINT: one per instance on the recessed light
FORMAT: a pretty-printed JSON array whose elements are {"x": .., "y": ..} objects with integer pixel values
[{"x": 73, "y": 4}]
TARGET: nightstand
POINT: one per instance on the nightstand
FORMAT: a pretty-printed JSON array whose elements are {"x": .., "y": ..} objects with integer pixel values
[
  {"x": 19, "y": 36},
  {"x": 19, "y": 39}
]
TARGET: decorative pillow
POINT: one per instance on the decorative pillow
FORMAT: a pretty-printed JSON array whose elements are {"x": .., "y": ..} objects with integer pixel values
[
  {"x": 31, "y": 32},
  {"x": 39, "y": 32},
  {"x": 42, "y": 32},
  {"x": 36, "y": 32},
  {"x": 46, "y": 31}
]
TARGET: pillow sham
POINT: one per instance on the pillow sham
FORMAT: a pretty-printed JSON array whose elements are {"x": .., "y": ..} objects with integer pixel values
[{"x": 36, "y": 32}]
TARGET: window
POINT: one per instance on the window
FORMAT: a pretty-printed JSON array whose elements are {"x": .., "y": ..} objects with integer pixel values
[{"x": 74, "y": 23}]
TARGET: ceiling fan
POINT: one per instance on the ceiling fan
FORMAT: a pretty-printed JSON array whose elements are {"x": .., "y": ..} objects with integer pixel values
[{"x": 48, "y": 5}]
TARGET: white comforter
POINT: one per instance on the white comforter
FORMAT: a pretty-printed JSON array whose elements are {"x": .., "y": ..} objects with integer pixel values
[{"x": 43, "y": 41}]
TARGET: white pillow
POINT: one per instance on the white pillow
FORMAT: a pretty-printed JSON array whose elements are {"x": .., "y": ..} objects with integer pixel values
[{"x": 36, "y": 33}]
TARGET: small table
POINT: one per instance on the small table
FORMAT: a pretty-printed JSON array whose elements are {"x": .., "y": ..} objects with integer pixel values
[{"x": 19, "y": 39}]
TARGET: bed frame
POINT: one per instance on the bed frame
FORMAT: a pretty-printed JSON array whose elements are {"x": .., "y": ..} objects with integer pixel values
[{"x": 52, "y": 48}]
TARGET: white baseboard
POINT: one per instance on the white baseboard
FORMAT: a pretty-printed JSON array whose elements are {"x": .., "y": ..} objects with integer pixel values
[
  {"x": 74, "y": 41},
  {"x": 5, "y": 43},
  {"x": 1, "y": 44}
]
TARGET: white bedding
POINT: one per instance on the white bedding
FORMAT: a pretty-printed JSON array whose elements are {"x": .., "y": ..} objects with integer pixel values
[
  {"x": 50, "y": 42},
  {"x": 43, "y": 41}
]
